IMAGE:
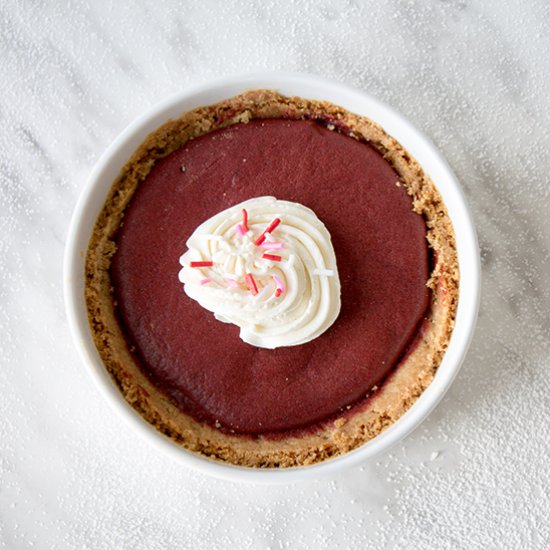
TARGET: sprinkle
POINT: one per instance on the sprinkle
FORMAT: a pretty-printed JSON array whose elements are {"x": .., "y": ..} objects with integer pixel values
[
  {"x": 272, "y": 257},
  {"x": 273, "y": 225},
  {"x": 231, "y": 283},
  {"x": 245, "y": 221},
  {"x": 240, "y": 230},
  {"x": 251, "y": 284},
  {"x": 205, "y": 281},
  {"x": 272, "y": 246},
  {"x": 201, "y": 264},
  {"x": 326, "y": 272},
  {"x": 280, "y": 286},
  {"x": 269, "y": 229}
]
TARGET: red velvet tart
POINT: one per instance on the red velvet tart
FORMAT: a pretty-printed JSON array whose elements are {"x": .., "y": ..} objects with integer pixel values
[{"x": 192, "y": 376}]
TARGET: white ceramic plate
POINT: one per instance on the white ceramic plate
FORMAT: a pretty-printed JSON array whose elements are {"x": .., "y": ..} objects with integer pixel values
[{"x": 115, "y": 157}]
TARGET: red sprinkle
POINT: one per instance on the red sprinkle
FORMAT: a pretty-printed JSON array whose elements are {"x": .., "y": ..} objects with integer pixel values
[
  {"x": 269, "y": 229},
  {"x": 251, "y": 284},
  {"x": 278, "y": 292},
  {"x": 272, "y": 257},
  {"x": 244, "y": 225},
  {"x": 201, "y": 264}
]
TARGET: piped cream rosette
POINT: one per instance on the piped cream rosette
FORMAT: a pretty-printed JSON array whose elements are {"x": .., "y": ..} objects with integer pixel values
[{"x": 267, "y": 266}]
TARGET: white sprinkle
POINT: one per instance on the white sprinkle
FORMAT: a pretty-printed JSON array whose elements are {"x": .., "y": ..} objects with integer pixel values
[{"x": 326, "y": 272}]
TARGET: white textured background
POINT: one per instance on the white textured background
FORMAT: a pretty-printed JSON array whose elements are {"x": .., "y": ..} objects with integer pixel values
[{"x": 474, "y": 75}]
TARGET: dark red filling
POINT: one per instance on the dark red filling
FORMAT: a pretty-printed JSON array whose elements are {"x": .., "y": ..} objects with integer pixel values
[{"x": 382, "y": 255}]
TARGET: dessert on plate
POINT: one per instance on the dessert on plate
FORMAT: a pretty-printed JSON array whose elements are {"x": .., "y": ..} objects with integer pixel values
[{"x": 272, "y": 281}]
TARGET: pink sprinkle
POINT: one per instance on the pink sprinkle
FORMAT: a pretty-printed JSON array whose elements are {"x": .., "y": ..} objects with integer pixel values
[
  {"x": 280, "y": 286},
  {"x": 240, "y": 230},
  {"x": 231, "y": 282},
  {"x": 205, "y": 281},
  {"x": 272, "y": 246}
]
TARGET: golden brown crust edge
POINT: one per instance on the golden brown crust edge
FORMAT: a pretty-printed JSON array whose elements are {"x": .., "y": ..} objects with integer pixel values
[{"x": 385, "y": 406}]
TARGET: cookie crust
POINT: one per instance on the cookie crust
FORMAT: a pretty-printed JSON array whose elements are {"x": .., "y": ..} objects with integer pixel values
[{"x": 383, "y": 405}]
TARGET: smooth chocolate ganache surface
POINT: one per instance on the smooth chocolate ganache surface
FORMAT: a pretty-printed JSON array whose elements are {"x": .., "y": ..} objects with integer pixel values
[{"x": 200, "y": 363}]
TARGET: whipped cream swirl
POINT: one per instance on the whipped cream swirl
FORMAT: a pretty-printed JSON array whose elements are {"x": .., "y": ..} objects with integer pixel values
[{"x": 267, "y": 266}]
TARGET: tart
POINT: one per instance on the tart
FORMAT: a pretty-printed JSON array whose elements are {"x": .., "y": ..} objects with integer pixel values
[{"x": 192, "y": 376}]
